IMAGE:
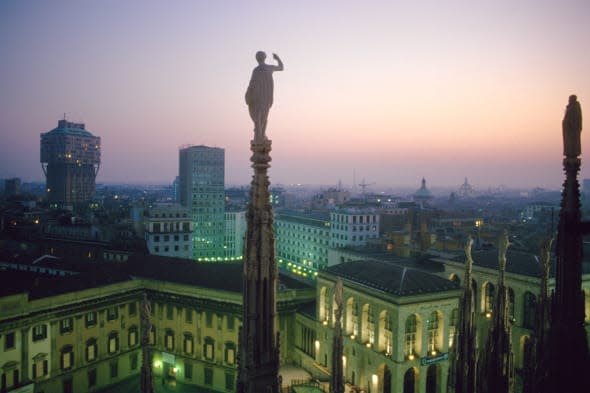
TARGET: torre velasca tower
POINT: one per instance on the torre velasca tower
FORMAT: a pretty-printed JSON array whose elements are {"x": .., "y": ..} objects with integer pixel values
[
  {"x": 70, "y": 158},
  {"x": 201, "y": 188}
]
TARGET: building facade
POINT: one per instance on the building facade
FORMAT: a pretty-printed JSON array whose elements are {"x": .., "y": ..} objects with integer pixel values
[
  {"x": 201, "y": 188},
  {"x": 235, "y": 230},
  {"x": 87, "y": 339},
  {"x": 302, "y": 242},
  {"x": 398, "y": 325},
  {"x": 353, "y": 226},
  {"x": 168, "y": 231},
  {"x": 70, "y": 158}
]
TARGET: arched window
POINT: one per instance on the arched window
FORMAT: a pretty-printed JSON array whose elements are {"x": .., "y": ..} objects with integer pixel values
[
  {"x": 411, "y": 333},
  {"x": 352, "y": 313},
  {"x": 410, "y": 381},
  {"x": 368, "y": 325},
  {"x": 530, "y": 306},
  {"x": 434, "y": 330},
  {"x": 511, "y": 304},
  {"x": 489, "y": 292},
  {"x": 432, "y": 378},
  {"x": 334, "y": 309},
  {"x": 526, "y": 349},
  {"x": 385, "y": 333}
]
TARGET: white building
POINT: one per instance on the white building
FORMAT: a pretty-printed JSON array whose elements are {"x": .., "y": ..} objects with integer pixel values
[
  {"x": 168, "y": 231},
  {"x": 235, "y": 230},
  {"x": 353, "y": 226}
]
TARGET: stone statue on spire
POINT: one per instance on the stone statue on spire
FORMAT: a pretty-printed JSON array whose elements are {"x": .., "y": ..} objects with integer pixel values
[
  {"x": 259, "y": 95},
  {"x": 572, "y": 128}
]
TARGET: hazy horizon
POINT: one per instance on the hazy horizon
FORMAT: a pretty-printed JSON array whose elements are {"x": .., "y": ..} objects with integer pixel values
[{"x": 393, "y": 92}]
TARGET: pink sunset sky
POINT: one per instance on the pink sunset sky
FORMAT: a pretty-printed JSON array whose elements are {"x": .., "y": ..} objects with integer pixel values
[{"x": 392, "y": 90}]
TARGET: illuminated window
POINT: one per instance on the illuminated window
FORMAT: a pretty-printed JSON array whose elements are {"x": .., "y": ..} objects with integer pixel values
[
  {"x": 66, "y": 325},
  {"x": 40, "y": 366},
  {"x": 152, "y": 336},
  {"x": 368, "y": 325},
  {"x": 188, "y": 343},
  {"x": 67, "y": 357},
  {"x": 489, "y": 292},
  {"x": 91, "y": 350},
  {"x": 385, "y": 334},
  {"x": 433, "y": 333},
  {"x": 410, "y": 335},
  {"x": 113, "y": 343},
  {"x": 230, "y": 353},
  {"x": 132, "y": 337},
  {"x": 169, "y": 340},
  {"x": 209, "y": 348},
  {"x": 39, "y": 332}
]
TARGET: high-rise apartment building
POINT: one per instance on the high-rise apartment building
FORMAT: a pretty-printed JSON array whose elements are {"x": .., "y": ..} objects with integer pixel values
[
  {"x": 70, "y": 158},
  {"x": 201, "y": 188}
]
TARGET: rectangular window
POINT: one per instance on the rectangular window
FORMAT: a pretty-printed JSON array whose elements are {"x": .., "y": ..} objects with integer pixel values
[
  {"x": 67, "y": 359},
  {"x": 188, "y": 370},
  {"x": 169, "y": 312},
  {"x": 209, "y": 351},
  {"x": 66, "y": 325},
  {"x": 91, "y": 377},
  {"x": 114, "y": 368},
  {"x": 9, "y": 342},
  {"x": 112, "y": 313},
  {"x": 39, "y": 332},
  {"x": 132, "y": 337},
  {"x": 230, "y": 322},
  {"x": 208, "y": 376},
  {"x": 90, "y": 319},
  {"x": 132, "y": 308},
  {"x": 188, "y": 315},
  {"x": 133, "y": 361},
  {"x": 40, "y": 368},
  {"x": 229, "y": 381},
  {"x": 209, "y": 319}
]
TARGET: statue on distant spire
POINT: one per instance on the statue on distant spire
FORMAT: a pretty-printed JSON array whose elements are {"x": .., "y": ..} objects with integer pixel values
[
  {"x": 259, "y": 95},
  {"x": 572, "y": 128}
]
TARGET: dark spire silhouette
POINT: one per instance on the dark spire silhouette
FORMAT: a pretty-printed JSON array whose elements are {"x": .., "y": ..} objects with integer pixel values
[
  {"x": 496, "y": 374},
  {"x": 337, "y": 382},
  {"x": 463, "y": 357},
  {"x": 147, "y": 379},
  {"x": 259, "y": 340},
  {"x": 568, "y": 359},
  {"x": 535, "y": 368}
]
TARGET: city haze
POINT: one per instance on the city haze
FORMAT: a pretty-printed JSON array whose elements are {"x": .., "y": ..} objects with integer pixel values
[{"x": 390, "y": 92}]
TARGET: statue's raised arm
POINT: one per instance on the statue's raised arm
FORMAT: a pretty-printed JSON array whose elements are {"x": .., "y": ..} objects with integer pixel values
[
  {"x": 259, "y": 95},
  {"x": 572, "y": 128}
]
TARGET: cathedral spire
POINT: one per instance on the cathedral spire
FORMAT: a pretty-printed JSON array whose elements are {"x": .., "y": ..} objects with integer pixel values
[
  {"x": 259, "y": 340},
  {"x": 337, "y": 382},
  {"x": 147, "y": 379},
  {"x": 496, "y": 373},
  {"x": 463, "y": 362},
  {"x": 567, "y": 342}
]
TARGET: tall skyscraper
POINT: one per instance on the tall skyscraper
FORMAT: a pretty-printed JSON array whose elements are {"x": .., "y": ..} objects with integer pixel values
[
  {"x": 70, "y": 158},
  {"x": 201, "y": 187}
]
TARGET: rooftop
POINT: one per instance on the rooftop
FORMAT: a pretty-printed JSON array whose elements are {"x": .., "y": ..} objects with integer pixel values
[{"x": 391, "y": 278}]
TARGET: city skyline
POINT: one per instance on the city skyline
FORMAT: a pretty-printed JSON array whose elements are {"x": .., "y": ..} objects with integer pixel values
[{"x": 391, "y": 92}]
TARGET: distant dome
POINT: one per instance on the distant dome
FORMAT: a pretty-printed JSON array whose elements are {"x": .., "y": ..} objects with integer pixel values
[{"x": 423, "y": 193}]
